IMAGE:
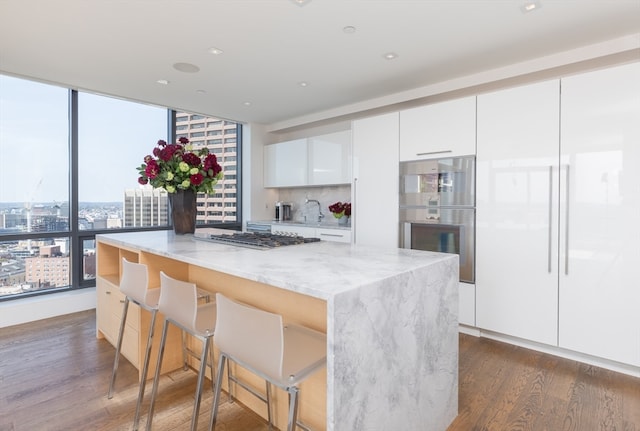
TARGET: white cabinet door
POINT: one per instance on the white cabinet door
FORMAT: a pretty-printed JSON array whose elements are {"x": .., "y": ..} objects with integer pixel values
[
  {"x": 516, "y": 215},
  {"x": 285, "y": 164},
  {"x": 444, "y": 129},
  {"x": 376, "y": 170},
  {"x": 600, "y": 242},
  {"x": 330, "y": 159}
]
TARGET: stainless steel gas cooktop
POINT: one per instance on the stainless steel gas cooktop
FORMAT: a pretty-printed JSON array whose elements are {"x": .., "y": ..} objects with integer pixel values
[{"x": 257, "y": 240}]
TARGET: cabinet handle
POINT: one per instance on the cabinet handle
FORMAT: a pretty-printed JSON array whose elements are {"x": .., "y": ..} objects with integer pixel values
[
  {"x": 550, "y": 217},
  {"x": 429, "y": 153},
  {"x": 108, "y": 292},
  {"x": 332, "y": 234},
  {"x": 122, "y": 301},
  {"x": 355, "y": 205},
  {"x": 566, "y": 227}
]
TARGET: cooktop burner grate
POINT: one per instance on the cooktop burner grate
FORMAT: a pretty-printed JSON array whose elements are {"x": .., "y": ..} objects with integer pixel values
[{"x": 257, "y": 240}]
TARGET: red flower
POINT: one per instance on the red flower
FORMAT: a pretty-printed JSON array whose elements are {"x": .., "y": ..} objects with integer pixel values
[
  {"x": 196, "y": 179},
  {"x": 162, "y": 143},
  {"x": 143, "y": 180},
  {"x": 168, "y": 151},
  {"x": 191, "y": 159},
  {"x": 183, "y": 140},
  {"x": 211, "y": 165},
  {"x": 152, "y": 170}
]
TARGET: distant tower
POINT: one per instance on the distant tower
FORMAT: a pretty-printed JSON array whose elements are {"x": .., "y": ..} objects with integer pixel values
[
  {"x": 221, "y": 137},
  {"x": 146, "y": 207}
]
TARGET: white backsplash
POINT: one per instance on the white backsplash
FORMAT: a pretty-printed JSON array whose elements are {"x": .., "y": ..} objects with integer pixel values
[{"x": 325, "y": 195}]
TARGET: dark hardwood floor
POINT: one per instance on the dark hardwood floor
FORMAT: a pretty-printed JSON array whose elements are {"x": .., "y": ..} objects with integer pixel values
[{"x": 54, "y": 375}]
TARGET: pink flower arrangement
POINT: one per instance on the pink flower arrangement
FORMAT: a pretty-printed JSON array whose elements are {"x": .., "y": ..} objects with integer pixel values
[
  {"x": 340, "y": 209},
  {"x": 178, "y": 166}
]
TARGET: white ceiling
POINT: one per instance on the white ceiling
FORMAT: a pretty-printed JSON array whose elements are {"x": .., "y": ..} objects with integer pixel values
[{"x": 122, "y": 47}]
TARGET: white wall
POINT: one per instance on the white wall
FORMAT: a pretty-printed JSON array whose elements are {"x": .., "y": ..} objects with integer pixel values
[
  {"x": 257, "y": 202},
  {"x": 24, "y": 310}
]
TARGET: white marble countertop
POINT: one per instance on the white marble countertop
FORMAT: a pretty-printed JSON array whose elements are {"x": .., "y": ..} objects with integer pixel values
[{"x": 322, "y": 269}]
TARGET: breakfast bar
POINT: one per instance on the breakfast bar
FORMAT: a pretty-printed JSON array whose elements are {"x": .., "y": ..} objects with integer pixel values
[{"x": 390, "y": 315}]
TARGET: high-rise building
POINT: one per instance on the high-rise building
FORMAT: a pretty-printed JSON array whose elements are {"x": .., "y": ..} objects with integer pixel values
[
  {"x": 220, "y": 136},
  {"x": 146, "y": 206}
]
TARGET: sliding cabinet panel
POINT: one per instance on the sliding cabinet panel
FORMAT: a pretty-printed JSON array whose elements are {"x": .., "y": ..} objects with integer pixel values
[
  {"x": 516, "y": 217},
  {"x": 600, "y": 236}
]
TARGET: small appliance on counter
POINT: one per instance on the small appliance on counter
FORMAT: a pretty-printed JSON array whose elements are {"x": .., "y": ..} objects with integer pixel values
[{"x": 284, "y": 211}]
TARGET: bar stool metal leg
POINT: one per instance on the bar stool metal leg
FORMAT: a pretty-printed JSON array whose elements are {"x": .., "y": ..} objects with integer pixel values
[
  {"x": 145, "y": 369},
  {"x": 156, "y": 377},
  {"x": 203, "y": 367},
  {"x": 118, "y": 346}
]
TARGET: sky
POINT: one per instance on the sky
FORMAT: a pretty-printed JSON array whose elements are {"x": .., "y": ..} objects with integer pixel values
[{"x": 114, "y": 136}]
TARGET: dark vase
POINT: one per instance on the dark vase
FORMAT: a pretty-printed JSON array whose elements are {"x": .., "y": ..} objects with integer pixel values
[{"x": 183, "y": 211}]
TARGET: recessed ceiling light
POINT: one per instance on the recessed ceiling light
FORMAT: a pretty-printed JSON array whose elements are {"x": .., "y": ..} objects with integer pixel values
[
  {"x": 246, "y": 103},
  {"x": 303, "y": 84},
  {"x": 531, "y": 5},
  {"x": 186, "y": 67},
  {"x": 349, "y": 29},
  {"x": 215, "y": 51},
  {"x": 301, "y": 2},
  {"x": 390, "y": 55},
  {"x": 162, "y": 82},
  {"x": 201, "y": 92}
]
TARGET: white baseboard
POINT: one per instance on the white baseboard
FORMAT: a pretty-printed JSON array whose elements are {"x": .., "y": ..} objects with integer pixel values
[
  {"x": 17, "y": 311},
  {"x": 552, "y": 350}
]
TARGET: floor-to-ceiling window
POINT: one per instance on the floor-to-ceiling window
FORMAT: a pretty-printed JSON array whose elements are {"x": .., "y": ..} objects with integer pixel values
[{"x": 68, "y": 171}]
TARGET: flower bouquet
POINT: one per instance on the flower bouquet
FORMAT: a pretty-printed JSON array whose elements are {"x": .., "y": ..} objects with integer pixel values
[
  {"x": 183, "y": 172},
  {"x": 178, "y": 166},
  {"x": 340, "y": 209}
]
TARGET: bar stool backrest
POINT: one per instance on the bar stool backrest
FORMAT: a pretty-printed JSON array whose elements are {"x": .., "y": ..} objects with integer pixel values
[
  {"x": 250, "y": 336},
  {"x": 178, "y": 301},
  {"x": 135, "y": 280}
]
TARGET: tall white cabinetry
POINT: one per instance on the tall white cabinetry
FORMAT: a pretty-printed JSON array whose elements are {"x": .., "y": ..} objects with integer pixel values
[
  {"x": 516, "y": 212},
  {"x": 600, "y": 222},
  {"x": 558, "y": 213},
  {"x": 374, "y": 193},
  {"x": 445, "y": 129}
]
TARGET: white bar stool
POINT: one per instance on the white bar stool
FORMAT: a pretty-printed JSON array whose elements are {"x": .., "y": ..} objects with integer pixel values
[
  {"x": 179, "y": 305},
  {"x": 257, "y": 341},
  {"x": 134, "y": 283}
]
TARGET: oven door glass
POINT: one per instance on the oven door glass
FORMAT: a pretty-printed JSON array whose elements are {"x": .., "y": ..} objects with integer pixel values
[{"x": 453, "y": 233}]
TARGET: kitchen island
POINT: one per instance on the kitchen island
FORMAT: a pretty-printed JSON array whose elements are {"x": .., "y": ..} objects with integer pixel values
[{"x": 390, "y": 316}]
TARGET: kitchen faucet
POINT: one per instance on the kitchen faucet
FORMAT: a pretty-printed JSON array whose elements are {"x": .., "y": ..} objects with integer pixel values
[{"x": 320, "y": 215}]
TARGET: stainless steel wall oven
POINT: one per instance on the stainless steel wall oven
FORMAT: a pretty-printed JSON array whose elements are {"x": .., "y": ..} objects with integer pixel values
[{"x": 437, "y": 208}]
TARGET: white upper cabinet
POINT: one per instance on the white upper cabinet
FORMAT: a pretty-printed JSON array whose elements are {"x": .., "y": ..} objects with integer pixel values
[
  {"x": 446, "y": 129},
  {"x": 319, "y": 160},
  {"x": 285, "y": 164},
  {"x": 376, "y": 173},
  {"x": 600, "y": 234},
  {"x": 517, "y": 212},
  {"x": 330, "y": 158}
]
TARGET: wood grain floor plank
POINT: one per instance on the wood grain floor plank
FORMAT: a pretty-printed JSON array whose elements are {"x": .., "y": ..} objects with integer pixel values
[{"x": 54, "y": 376}]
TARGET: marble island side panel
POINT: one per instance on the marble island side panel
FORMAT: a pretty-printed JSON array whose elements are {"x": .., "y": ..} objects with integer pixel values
[{"x": 394, "y": 345}]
